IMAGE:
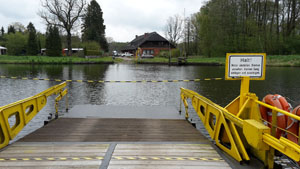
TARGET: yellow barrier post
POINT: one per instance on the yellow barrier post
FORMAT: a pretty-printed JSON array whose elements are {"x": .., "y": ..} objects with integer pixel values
[
  {"x": 271, "y": 152},
  {"x": 245, "y": 83},
  {"x": 298, "y": 133}
]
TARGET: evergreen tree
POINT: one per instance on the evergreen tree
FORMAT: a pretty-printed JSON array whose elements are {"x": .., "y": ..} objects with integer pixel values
[
  {"x": 53, "y": 42},
  {"x": 32, "y": 48},
  {"x": 2, "y": 31},
  {"x": 93, "y": 25},
  {"x": 11, "y": 29},
  {"x": 39, "y": 45}
]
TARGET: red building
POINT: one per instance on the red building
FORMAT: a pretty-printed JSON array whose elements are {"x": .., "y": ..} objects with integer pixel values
[{"x": 149, "y": 44}]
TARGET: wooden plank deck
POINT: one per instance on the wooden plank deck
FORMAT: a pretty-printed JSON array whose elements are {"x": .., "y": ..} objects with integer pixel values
[
  {"x": 98, "y": 143},
  {"x": 53, "y": 155},
  {"x": 167, "y": 156},
  {"x": 58, "y": 155},
  {"x": 116, "y": 130}
]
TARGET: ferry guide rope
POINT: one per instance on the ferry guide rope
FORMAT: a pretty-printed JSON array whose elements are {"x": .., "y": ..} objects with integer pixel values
[{"x": 110, "y": 81}]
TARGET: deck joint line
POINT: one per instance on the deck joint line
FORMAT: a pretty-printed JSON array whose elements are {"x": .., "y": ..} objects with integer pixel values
[{"x": 108, "y": 156}]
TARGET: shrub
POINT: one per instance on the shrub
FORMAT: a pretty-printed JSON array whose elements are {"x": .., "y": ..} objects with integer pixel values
[
  {"x": 79, "y": 54},
  {"x": 93, "y": 53},
  {"x": 175, "y": 53},
  {"x": 164, "y": 53},
  {"x": 92, "y": 48},
  {"x": 16, "y": 44}
]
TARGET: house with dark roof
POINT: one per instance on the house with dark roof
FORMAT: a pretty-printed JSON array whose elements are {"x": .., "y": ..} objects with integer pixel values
[
  {"x": 149, "y": 44},
  {"x": 3, "y": 50}
]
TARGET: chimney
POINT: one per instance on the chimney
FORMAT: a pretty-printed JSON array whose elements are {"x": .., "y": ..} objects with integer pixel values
[
  {"x": 146, "y": 34},
  {"x": 136, "y": 36}
]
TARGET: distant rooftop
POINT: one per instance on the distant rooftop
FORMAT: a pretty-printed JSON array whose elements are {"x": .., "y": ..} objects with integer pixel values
[
  {"x": 1, "y": 47},
  {"x": 139, "y": 40}
]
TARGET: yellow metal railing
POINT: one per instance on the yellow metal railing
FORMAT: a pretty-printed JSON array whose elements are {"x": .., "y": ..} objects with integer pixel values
[
  {"x": 213, "y": 118},
  {"x": 282, "y": 144},
  {"x": 239, "y": 127},
  {"x": 24, "y": 110}
]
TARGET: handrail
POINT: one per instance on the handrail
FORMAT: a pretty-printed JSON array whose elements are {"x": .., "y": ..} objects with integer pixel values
[
  {"x": 23, "y": 111},
  {"x": 278, "y": 110},
  {"x": 221, "y": 124},
  {"x": 214, "y": 117},
  {"x": 228, "y": 115}
]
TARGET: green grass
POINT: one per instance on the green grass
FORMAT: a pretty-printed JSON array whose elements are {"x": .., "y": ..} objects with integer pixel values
[
  {"x": 191, "y": 59},
  {"x": 283, "y": 60},
  {"x": 156, "y": 60},
  {"x": 201, "y": 59},
  {"x": 272, "y": 60},
  {"x": 53, "y": 60}
]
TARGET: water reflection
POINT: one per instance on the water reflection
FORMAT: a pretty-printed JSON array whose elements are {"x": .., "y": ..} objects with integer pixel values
[
  {"x": 282, "y": 80},
  {"x": 279, "y": 80}
]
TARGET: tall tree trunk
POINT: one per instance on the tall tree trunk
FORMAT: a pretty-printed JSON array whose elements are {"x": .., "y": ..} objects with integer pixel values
[
  {"x": 288, "y": 19},
  {"x": 69, "y": 43},
  {"x": 188, "y": 38},
  {"x": 272, "y": 19},
  {"x": 265, "y": 26},
  {"x": 277, "y": 19},
  {"x": 293, "y": 17}
]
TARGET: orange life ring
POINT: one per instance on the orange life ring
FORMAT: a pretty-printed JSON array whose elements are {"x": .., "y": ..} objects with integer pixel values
[
  {"x": 267, "y": 113},
  {"x": 293, "y": 126},
  {"x": 285, "y": 105}
]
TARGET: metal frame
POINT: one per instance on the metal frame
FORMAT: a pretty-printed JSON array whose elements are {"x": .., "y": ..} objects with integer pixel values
[
  {"x": 24, "y": 111},
  {"x": 239, "y": 126}
]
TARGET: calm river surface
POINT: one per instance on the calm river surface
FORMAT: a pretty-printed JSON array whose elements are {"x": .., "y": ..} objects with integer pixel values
[{"x": 281, "y": 80}]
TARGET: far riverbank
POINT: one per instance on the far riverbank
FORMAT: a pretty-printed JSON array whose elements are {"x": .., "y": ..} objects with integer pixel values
[
  {"x": 5, "y": 59},
  {"x": 272, "y": 60}
]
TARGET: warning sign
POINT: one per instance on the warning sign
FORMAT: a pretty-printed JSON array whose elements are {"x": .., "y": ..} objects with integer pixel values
[{"x": 246, "y": 64}]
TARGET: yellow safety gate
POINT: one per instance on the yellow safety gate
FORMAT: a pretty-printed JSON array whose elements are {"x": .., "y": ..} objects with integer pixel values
[
  {"x": 239, "y": 126},
  {"x": 25, "y": 110}
]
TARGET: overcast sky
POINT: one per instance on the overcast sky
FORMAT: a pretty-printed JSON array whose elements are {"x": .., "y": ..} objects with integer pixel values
[{"x": 123, "y": 18}]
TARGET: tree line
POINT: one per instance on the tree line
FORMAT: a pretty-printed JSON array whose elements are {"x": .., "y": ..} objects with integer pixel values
[
  {"x": 61, "y": 18},
  {"x": 223, "y": 26},
  {"x": 21, "y": 40}
]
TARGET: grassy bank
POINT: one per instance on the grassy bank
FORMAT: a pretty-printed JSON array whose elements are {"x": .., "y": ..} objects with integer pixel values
[
  {"x": 283, "y": 60},
  {"x": 54, "y": 60},
  {"x": 190, "y": 60},
  {"x": 272, "y": 60}
]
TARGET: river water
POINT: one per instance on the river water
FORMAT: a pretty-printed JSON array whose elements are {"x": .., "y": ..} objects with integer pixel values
[{"x": 281, "y": 80}]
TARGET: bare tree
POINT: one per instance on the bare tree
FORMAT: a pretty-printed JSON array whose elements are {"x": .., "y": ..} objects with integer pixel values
[
  {"x": 18, "y": 26},
  {"x": 63, "y": 13},
  {"x": 109, "y": 40},
  {"x": 174, "y": 29}
]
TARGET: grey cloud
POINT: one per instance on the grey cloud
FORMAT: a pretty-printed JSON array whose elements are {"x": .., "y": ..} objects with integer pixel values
[{"x": 126, "y": 17}]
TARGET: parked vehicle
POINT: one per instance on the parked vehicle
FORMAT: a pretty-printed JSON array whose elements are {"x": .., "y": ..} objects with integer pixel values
[
  {"x": 115, "y": 53},
  {"x": 126, "y": 54}
]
